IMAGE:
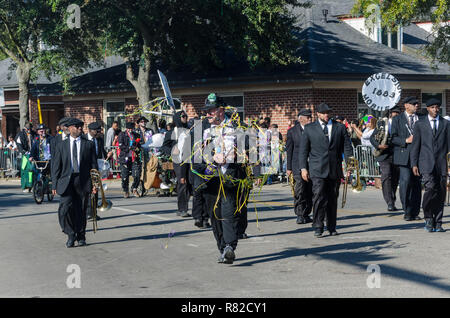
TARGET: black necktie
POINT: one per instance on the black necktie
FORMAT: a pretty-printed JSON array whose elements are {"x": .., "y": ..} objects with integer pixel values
[
  {"x": 75, "y": 157},
  {"x": 411, "y": 121},
  {"x": 434, "y": 127},
  {"x": 325, "y": 130}
]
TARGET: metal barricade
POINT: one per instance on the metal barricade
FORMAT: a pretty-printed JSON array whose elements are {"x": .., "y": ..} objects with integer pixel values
[
  {"x": 9, "y": 165},
  {"x": 114, "y": 160},
  {"x": 368, "y": 165}
]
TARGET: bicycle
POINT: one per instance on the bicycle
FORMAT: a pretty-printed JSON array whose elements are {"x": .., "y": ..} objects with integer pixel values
[{"x": 42, "y": 185}]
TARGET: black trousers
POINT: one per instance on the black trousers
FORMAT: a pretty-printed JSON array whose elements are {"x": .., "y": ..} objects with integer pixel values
[
  {"x": 133, "y": 168},
  {"x": 183, "y": 189},
  {"x": 325, "y": 195},
  {"x": 199, "y": 205},
  {"x": 410, "y": 192},
  {"x": 243, "y": 216},
  {"x": 389, "y": 180},
  {"x": 434, "y": 196},
  {"x": 302, "y": 196},
  {"x": 72, "y": 209},
  {"x": 224, "y": 221}
]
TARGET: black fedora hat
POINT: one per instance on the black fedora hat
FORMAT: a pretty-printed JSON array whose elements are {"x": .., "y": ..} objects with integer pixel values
[{"x": 323, "y": 108}]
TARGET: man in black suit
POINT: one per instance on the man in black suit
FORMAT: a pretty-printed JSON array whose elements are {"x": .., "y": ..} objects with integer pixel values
[
  {"x": 94, "y": 136},
  {"x": 389, "y": 172},
  {"x": 302, "y": 189},
  {"x": 71, "y": 179},
  {"x": 429, "y": 158},
  {"x": 402, "y": 138},
  {"x": 323, "y": 143}
]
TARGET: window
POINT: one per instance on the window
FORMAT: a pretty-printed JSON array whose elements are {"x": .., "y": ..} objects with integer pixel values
[
  {"x": 391, "y": 38},
  {"x": 439, "y": 96},
  {"x": 114, "y": 111},
  {"x": 235, "y": 101}
]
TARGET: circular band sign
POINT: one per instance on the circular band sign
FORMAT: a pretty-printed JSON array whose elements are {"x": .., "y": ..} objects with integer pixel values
[{"x": 381, "y": 91}]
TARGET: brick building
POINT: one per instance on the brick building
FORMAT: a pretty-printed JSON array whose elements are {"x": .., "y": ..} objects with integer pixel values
[{"x": 340, "y": 52}]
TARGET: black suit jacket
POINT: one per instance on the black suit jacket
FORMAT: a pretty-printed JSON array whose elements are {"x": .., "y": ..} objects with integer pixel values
[
  {"x": 428, "y": 151},
  {"x": 293, "y": 146},
  {"x": 325, "y": 158},
  {"x": 62, "y": 165},
  {"x": 400, "y": 133},
  {"x": 100, "y": 145}
]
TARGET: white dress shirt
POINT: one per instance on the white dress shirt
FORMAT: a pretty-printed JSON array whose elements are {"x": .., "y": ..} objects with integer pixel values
[
  {"x": 95, "y": 142},
  {"x": 78, "y": 141},
  {"x": 430, "y": 119},
  {"x": 329, "y": 127}
]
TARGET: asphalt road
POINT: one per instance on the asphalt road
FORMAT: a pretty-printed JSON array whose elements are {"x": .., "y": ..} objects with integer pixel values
[{"x": 142, "y": 249}]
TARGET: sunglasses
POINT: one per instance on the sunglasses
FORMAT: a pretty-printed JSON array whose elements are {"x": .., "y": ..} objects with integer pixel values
[{"x": 184, "y": 116}]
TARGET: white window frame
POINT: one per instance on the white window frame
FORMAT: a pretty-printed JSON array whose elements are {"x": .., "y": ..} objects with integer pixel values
[
  {"x": 240, "y": 109},
  {"x": 107, "y": 114},
  {"x": 443, "y": 106}
]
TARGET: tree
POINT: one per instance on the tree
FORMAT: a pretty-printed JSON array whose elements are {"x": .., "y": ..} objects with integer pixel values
[
  {"x": 36, "y": 37},
  {"x": 192, "y": 35},
  {"x": 403, "y": 12}
]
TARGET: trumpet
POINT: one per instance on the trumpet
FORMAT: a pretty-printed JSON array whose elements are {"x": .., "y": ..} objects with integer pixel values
[
  {"x": 352, "y": 164},
  {"x": 96, "y": 180}
]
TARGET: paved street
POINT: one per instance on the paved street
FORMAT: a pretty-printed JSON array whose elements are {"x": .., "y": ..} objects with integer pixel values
[{"x": 132, "y": 255}]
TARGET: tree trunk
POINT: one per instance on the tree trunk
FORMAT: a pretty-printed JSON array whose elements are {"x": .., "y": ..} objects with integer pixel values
[
  {"x": 141, "y": 83},
  {"x": 23, "y": 77}
]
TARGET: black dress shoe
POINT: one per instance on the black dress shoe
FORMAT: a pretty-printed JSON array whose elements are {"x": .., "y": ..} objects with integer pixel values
[
  {"x": 70, "y": 241},
  {"x": 206, "y": 224},
  {"x": 301, "y": 220},
  {"x": 198, "y": 223},
  {"x": 308, "y": 219},
  {"x": 82, "y": 243},
  {"x": 243, "y": 236},
  {"x": 333, "y": 233},
  {"x": 408, "y": 218},
  {"x": 318, "y": 233},
  {"x": 416, "y": 218},
  {"x": 392, "y": 208}
]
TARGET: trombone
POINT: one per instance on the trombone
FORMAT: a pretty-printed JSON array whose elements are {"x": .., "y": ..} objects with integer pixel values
[
  {"x": 352, "y": 164},
  {"x": 96, "y": 180}
]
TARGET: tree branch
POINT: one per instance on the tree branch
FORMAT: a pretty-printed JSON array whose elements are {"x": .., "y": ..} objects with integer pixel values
[{"x": 18, "y": 47}]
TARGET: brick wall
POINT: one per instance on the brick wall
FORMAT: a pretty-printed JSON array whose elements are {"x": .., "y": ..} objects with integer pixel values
[
  {"x": 193, "y": 104},
  {"x": 88, "y": 111},
  {"x": 131, "y": 105},
  {"x": 344, "y": 102},
  {"x": 281, "y": 106}
]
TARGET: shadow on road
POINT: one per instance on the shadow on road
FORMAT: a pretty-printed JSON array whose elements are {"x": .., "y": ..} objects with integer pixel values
[{"x": 351, "y": 254}]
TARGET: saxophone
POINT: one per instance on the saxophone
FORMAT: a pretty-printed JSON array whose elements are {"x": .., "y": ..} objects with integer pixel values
[{"x": 381, "y": 137}]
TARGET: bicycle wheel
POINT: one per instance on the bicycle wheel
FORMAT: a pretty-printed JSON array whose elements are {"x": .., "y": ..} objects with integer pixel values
[{"x": 38, "y": 192}]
